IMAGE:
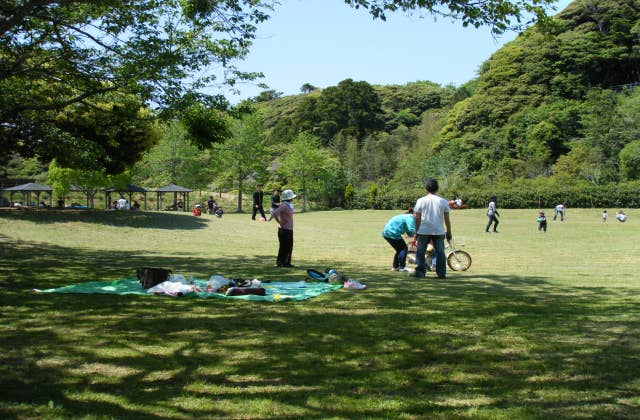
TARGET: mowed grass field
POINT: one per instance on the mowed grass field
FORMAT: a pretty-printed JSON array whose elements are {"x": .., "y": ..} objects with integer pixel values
[{"x": 541, "y": 326}]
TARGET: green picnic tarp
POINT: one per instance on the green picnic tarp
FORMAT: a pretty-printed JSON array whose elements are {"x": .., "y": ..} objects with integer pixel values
[{"x": 274, "y": 291}]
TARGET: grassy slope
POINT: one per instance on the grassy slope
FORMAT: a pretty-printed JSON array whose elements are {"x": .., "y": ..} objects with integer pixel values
[{"x": 541, "y": 325}]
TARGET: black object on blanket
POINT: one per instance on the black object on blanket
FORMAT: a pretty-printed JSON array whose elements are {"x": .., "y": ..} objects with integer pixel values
[
  {"x": 150, "y": 276},
  {"x": 240, "y": 291}
]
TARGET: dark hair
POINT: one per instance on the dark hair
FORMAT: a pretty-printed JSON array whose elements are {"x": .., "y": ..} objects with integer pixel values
[
  {"x": 493, "y": 198},
  {"x": 410, "y": 210},
  {"x": 431, "y": 185}
]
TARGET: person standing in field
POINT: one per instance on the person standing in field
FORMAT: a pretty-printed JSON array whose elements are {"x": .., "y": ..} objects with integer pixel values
[
  {"x": 431, "y": 224},
  {"x": 258, "y": 197},
  {"x": 542, "y": 222},
  {"x": 402, "y": 224},
  {"x": 492, "y": 214},
  {"x": 284, "y": 216},
  {"x": 604, "y": 216},
  {"x": 211, "y": 205},
  {"x": 559, "y": 210}
]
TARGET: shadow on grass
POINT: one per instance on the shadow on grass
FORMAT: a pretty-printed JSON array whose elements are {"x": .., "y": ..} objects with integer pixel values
[
  {"x": 472, "y": 345},
  {"x": 133, "y": 219}
]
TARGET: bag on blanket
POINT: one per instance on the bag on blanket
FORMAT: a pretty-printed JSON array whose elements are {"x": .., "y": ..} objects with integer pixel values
[
  {"x": 330, "y": 275},
  {"x": 150, "y": 277},
  {"x": 241, "y": 291}
]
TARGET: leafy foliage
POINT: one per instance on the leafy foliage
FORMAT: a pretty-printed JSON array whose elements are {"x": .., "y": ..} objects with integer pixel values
[
  {"x": 175, "y": 160},
  {"x": 242, "y": 156},
  {"x": 58, "y": 57},
  {"x": 308, "y": 168},
  {"x": 499, "y": 15},
  {"x": 352, "y": 108},
  {"x": 547, "y": 112}
]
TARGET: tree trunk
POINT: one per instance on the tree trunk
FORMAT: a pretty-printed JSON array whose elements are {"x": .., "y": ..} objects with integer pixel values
[{"x": 239, "y": 209}]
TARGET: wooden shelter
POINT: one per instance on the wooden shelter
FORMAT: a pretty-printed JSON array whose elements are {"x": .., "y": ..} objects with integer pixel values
[
  {"x": 177, "y": 191},
  {"x": 27, "y": 189},
  {"x": 121, "y": 191}
]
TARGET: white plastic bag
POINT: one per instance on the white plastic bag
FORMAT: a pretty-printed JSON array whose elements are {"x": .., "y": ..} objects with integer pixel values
[{"x": 215, "y": 282}]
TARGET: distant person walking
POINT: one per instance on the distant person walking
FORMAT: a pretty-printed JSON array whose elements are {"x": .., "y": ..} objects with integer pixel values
[
  {"x": 284, "y": 216},
  {"x": 492, "y": 215},
  {"x": 258, "y": 197},
  {"x": 559, "y": 210},
  {"x": 604, "y": 216},
  {"x": 211, "y": 205},
  {"x": 432, "y": 224}
]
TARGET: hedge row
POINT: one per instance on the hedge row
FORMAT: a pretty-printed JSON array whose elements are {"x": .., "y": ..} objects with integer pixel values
[{"x": 515, "y": 197}]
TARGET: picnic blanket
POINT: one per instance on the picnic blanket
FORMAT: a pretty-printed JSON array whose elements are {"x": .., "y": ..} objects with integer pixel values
[{"x": 274, "y": 291}]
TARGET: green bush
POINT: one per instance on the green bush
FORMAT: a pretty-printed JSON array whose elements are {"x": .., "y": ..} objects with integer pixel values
[{"x": 536, "y": 195}]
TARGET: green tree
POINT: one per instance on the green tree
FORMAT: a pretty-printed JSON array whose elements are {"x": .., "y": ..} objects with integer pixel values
[
  {"x": 373, "y": 195},
  {"x": 305, "y": 165},
  {"x": 307, "y": 88},
  {"x": 107, "y": 135},
  {"x": 630, "y": 160},
  {"x": 62, "y": 54},
  {"x": 175, "y": 160},
  {"x": 267, "y": 95},
  {"x": 349, "y": 192},
  {"x": 244, "y": 155},
  {"x": 351, "y": 107},
  {"x": 59, "y": 53},
  {"x": 62, "y": 180},
  {"x": 582, "y": 161}
]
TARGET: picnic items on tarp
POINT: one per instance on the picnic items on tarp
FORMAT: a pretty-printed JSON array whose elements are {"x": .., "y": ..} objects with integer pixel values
[
  {"x": 178, "y": 285},
  {"x": 217, "y": 286},
  {"x": 246, "y": 287},
  {"x": 332, "y": 276},
  {"x": 275, "y": 291}
]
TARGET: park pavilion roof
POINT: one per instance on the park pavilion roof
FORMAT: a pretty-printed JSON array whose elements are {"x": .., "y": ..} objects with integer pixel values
[
  {"x": 173, "y": 188},
  {"x": 126, "y": 188},
  {"x": 31, "y": 186}
]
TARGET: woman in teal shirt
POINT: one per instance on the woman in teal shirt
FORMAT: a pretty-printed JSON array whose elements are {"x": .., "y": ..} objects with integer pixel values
[{"x": 403, "y": 224}]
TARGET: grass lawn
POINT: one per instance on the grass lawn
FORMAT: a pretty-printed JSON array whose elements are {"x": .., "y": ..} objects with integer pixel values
[{"x": 541, "y": 326}]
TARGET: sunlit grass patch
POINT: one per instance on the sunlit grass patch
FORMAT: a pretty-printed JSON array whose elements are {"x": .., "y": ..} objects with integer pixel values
[{"x": 541, "y": 326}]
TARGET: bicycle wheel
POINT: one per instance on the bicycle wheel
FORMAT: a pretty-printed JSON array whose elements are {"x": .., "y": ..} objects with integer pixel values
[{"x": 459, "y": 260}]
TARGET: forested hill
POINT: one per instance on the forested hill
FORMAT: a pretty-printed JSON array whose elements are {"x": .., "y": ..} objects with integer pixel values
[{"x": 542, "y": 111}]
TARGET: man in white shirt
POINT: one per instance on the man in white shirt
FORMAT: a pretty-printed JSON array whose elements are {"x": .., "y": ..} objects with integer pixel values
[
  {"x": 432, "y": 217},
  {"x": 122, "y": 203},
  {"x": 559, "y": 210}
]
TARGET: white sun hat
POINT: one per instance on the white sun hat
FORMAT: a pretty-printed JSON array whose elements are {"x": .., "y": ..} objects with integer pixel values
[{"x": 288, "y": 195}]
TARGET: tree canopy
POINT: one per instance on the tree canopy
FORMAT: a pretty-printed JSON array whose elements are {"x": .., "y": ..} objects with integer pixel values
[
  {"x": 499, "y": 15},
  {"x": 60, "y": 54},
  {"x": 64, "y": 56}
]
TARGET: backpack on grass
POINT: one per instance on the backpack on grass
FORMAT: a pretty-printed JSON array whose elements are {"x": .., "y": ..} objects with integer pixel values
[{"x": 150, "y": 277}]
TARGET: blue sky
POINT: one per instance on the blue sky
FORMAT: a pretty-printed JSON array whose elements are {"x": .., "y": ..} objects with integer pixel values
[{"x": 322, "y": 42}]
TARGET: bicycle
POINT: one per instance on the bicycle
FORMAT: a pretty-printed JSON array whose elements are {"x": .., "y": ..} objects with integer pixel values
[{"x": 457, "y": 260}]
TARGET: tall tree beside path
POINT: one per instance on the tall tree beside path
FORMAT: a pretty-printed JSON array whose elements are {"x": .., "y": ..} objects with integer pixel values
[
  {"x": 306, "y": 166},
  {"x": 244, "y": 155},
  {"x": 175, "y": 160}
]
